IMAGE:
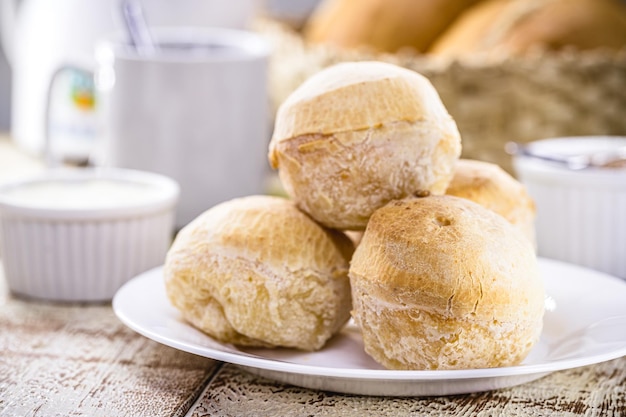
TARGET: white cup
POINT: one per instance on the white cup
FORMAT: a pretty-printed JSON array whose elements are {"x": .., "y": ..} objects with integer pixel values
[
  {"x": 196, "y": 110},
  {"x": 581, "y": 213}
]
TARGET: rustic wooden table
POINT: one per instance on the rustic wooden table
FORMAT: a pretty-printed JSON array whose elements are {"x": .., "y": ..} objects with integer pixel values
[{"x": 80, "y": 360}]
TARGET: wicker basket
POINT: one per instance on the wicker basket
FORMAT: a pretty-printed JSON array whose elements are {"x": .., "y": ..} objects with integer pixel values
[{"x": 493, "y": 102}]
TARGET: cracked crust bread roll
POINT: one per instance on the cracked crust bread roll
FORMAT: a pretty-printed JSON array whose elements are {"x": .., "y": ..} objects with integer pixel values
[
  {"x": 256, "y": 271},
  {"x": 359, "y": 134},
  {"x": 492, "y": 187},
  {"x": 441, "y": 282}
]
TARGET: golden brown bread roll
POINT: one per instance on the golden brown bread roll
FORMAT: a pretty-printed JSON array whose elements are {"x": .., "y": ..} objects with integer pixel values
[
  {"x": 443, "y": 283},
  {"x": 490, "y": 186},
  {"x": 385, "y": 25},
  {"x": 358, "y": 134},
  {"x": 256, "y": 271},
  {"x": 515, "y": 27}
]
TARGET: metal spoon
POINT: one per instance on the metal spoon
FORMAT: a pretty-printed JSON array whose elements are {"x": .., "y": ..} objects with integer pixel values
[
  {"x": 600, "y": 159},
  {"x": 137, "y": 27}
]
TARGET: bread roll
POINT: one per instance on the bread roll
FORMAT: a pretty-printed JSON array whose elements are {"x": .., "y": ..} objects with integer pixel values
[
  {"x": 515, "y": 27},
  {"x": 385, "y": 25},
  {"x": 356, "y": 135},
  {"x": 443, "y": 283},
  {"x": 256, "y": 271},
  {"x": 490, "y": 186}
]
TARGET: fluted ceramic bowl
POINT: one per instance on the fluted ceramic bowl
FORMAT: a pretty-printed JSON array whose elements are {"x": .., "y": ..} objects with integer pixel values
[
  {"x": 79, "y": 234},
  {"x": 581, "y": 212}
]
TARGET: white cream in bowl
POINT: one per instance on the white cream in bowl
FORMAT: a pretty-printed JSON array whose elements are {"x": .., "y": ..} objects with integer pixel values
[
  {"x": 79, "y": 234},
  {"x": 581, "y": 213},
  {"x": 81, "y": 194}
]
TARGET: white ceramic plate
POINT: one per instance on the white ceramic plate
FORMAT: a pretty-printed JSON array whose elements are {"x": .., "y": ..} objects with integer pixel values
[{"x": 585, "y": 323}]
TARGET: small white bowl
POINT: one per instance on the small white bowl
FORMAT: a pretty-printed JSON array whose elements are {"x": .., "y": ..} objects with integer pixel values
[
  {"x": 79, "y": 234},
  {"x": 581, "y": 214}
]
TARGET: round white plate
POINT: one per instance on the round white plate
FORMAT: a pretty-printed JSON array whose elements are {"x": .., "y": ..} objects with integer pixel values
[{"x": 585, "y": 323}]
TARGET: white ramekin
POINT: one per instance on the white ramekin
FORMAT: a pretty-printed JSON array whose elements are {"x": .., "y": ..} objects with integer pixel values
[
  {"x": 84, "y": 249},
  {"x": 581, "y": 214}
]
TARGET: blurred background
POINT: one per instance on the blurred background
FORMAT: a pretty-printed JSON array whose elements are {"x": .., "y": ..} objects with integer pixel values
[
  {"x": 5, "y": 92},
  {"x": 506, "y": 69},
  {"x": 289, "y": 11}
]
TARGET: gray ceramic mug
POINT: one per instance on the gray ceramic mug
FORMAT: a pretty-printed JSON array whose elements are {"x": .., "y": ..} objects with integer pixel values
[{"x": 196, "y": 110}]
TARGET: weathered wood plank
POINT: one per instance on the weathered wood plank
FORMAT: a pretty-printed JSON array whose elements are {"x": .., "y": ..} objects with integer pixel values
[
  {"x": 598, "y": 390},
  {"x": 71, "y": 360}
]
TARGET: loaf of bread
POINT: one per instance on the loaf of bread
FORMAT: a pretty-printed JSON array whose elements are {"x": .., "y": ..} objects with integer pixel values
[
  {"x": 516, "y": 27},
  {"x": 441, "y": 282},
  {"x": 492, "y": 187},
  {"x": 357, "y": 135},
  {"x": 256, "y": 271},
  {"x": 383, "y": 25}
]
